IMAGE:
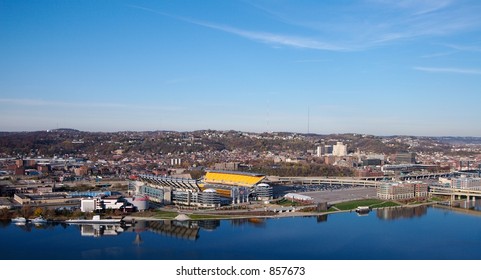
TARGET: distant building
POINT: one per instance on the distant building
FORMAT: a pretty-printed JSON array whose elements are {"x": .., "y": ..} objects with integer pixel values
[
  {"x": 45, "y": 198},
  {"x": 175, "y": 161},
  {"x": 324, "y": 150},
  {"x": 81, "y": 171},
  {"x": 466, "y": 183},
  {"x": 233, "y": 166},
  {"x": 43, "y": 168},
  {"x": 339, "y": 150},
  {"x": 296, "y": 160},
  {"x": 406, "y": 158},
  {"x": 19, "y": 170},
  {"x": 371, "y": 162},
  {"x": 367, "y": 172}
]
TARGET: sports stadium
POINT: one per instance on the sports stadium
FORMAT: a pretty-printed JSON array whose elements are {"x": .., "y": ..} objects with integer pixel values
[{"x": 216, "y": 188}]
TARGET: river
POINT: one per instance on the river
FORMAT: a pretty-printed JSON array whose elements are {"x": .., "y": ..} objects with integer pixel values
[{"x": 401, "y": 234}]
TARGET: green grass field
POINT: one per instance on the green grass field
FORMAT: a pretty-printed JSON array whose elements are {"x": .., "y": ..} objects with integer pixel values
[
  {"x": 373, "y": 203},
  {"x": 286, "y": 202},
  {"x": 165, "y": 215}
]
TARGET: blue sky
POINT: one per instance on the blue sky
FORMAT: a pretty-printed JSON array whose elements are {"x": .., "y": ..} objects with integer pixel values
[{"x": 410, "y": 67}]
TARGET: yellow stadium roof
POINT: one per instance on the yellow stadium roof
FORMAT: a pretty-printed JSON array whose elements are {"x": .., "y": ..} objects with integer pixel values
[{"x": 233, "y": 178}]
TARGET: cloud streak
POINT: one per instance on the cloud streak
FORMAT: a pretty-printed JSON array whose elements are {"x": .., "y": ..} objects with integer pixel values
[
  {"x": 50, "y": 103},
  {"x": 40, "y": 102},
  {"x": 449, "y": 70},
  {"x": 384, "y": 22},
  {"x": 464, "y": 48},
  {"x": 263, "y": 37},
  {"x": 276, "y": 39},
  {"x": 405, "y": 20},
  {"x": 419, "y": 7}
]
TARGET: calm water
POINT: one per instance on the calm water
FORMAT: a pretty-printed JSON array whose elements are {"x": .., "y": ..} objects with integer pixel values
[{"x": 420, "y": 233}]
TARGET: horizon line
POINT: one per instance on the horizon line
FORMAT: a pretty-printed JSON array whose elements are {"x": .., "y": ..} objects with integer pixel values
[{"x": 233, "y": 130}]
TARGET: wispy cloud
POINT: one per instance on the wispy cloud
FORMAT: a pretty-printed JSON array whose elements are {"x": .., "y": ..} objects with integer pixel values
[
  {"x": 385, "y": 22},
  {"x": 449, "y": 70},
  {"x": 464, "y": 48},
  {"x": 64, "y": 104},
  {"x": 40, "y": 102},
  {"x": 310, "y": 60},
  {"x": 419, "y": 7},
  {"x": 263, "y": 37},
  {"x": 276, "y": 39},
  {"x": 439, "y": 54}
]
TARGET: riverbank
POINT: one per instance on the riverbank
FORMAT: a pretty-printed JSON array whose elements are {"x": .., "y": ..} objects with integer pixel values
[
  {"x": 254, "y": 210},
  {"x": 248, "y": 214}
]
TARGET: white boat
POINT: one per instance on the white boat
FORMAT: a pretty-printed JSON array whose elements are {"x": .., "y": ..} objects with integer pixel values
[
  {"x": 39, "y": 220},
  {"x": 19, "y": 220},
  {"x": 95, "y": 220}
]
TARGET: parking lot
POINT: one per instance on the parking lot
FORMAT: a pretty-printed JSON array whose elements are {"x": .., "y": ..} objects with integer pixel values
[{"x": 328, "y": 193}]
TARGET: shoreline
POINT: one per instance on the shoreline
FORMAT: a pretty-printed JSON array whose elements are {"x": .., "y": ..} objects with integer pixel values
[{"x": 243, "y": 215}]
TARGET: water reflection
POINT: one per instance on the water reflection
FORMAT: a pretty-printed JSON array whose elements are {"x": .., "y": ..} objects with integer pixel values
[
  {"x": 322, "y": 218},
  {"x": 188, "y": 230},
  {"x": 4, "y": 223},
  {"x": 28, "y": 227},
  {"x": 401, "y": 213},
  {"x": 209, "y": 225},
  {"x": 468, "y": 204},
  {"x": 177, "y": 229},
  {"x": 256, "y": 222},
  {"x": 96, "y": 230}
]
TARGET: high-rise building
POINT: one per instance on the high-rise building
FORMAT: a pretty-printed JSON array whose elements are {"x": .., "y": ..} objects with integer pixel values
[
  {"x": 339, "y": 150},
  {"x": 406, "y": 158},
  {"x": 324, "y": 150}
]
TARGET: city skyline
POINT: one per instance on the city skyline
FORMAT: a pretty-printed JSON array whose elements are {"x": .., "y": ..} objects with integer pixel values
[{"x": 369, "y": 67}]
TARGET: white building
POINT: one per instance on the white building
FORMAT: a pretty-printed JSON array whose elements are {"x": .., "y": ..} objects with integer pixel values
[
  {"x": 88, "y": 205},
  {"x": 97, "y": 203},
  {"x": 175, "y": 161},
  {"x": 324, "y": 150},
  {"x": 339, "y": 150}
]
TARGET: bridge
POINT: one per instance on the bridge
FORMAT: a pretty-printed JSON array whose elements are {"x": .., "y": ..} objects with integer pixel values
[
  {"x": 358, "y": 182},
  {"x": 455, "y": 192},
  {"x": 425, "y": 176}
]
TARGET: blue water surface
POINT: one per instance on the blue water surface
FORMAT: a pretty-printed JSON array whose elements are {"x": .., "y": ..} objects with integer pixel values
[{"x": 409, "y": 234}]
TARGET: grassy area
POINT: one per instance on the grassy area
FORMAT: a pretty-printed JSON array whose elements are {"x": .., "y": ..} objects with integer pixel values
[
  {"x": 386, "y": 204},
  {"x": 171, "y": 215},
  {"x": 286, "y": 202},
  {"x": 373, "y": 203},
  {"x": 207, "y": 217},
  {"x": 438, "y": 198},
  {"x": 165, "y": 215}
]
